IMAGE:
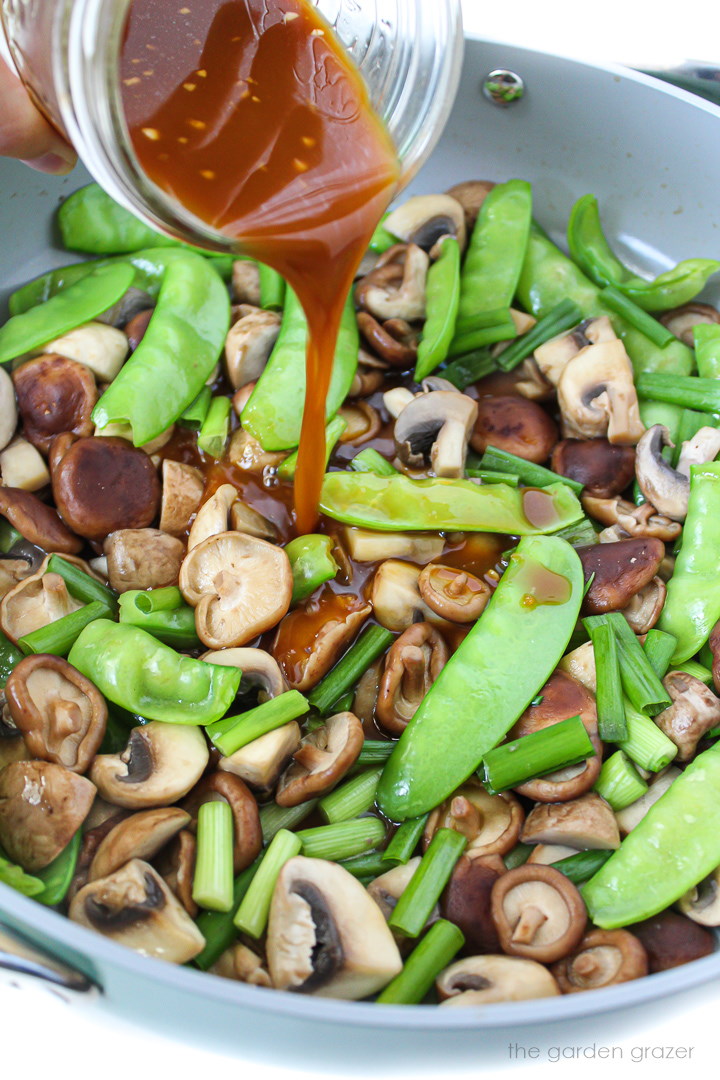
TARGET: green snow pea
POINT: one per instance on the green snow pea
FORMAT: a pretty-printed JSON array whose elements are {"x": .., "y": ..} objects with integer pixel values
[
  {"x": 707, "y": 350},
  {"x": 397, "y": 503},
  {"x": 382, "y": 240},
  {"x": 333, "y": 431},
  {"x": 90, "y": 221},
  {"x": 57, "y": 876},
  {"x": 272, "y": 288},
  {"x": 692, "y": 606},
  {"x": 13, "y": 875},
  {"x": 548, "y": 277},
  {"x": 273, "y": 415},
  {"x": 132, "y": 669},
  {"x": 311, "y": 563},
  {"x": 672, "y": 849},
  {"x": 593, "y": 254},
  {"x": 442, "y": 301},
  {"x": 489, "y": 681},
  {"x": 79, "y": 303},
  {"x": 183, "y": 340}
]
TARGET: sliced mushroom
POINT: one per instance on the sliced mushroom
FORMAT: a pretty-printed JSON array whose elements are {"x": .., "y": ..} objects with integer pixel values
[
  {"x": 12, "y": 572},
  {"x": 667, "y": 489},
  {"x": 424, "y": 219},
  {"x": 618, "y": 571},
  {"x": 597, "y": 396},
  {"x": 142, "y": 559},
  {"x": 55, "y": 394},
  {"x": 160, "y": 764},
  {"x": 37, "y": 523},
  {"x": 260, "y": 670},
  {"x": 366, "y": 692},
  {"x": 396, "y": 399},
  {"x": 35, "y": 602},
  {"x": 104, "y": 484},
  {"x": 630, "y": 519},
  {"x": 398, "y": 353},
  {"x": 362, "y": 420},
  {"x": 465, "y": 901},
  {"x": 645, "y": 608},
  {"x": 561, "y": 697},
  {"x": 366, "y": 380},
  {"x": 61, "y": 714},
  {"x": 453, "y": 594},
  {"x": 580, "y": 663},
  {"x": 395, "y": 596},
  {"x": 21, "y": 466},
  {"x": 396, "y": 292},
  {"x": 135, "y": 907},
  {"x": 136, "y": 328},
  {"x": 176, "y": 864},
  {"x": 553, "y": 356},
  {"x": 182, "y": 491},
  {"x": 93, "y": 833},
  {"x": 245, "y": 519},
  {"x": 702, "y": 903},
  {"x": 240, "y": 963},
  {"x": 247, "y": 453},
  {"x": 603, "y": 958},
  {"x": 387, "y": 889},
  {"x": 631, "y": 815},
  {"x": 99, "y": 347},
  {"x": 261, "y": 762},
  {"x": 547, "y": 854},
  {"x": 538, "y": 913},
  {"x": 435, "y": 428},
  {"x": 471, "y": 194},
  {"x": 324, "y": 757},
  {"x": 326, "y": 935},
  {"x": 694, "y": 711},
  {"x": 604, "y": 470},
  {"x": 519, "y": 426},
  {"x": 140, "y": 836},
  {"x": 704, "y": 446},
  {"x": 8, "y": 409},
  {"x": 670, "y": 939},
  {"x": 226, "y": 578},
  {"x": 491, "y": 823},
  {"x": 311, "y": 638},
  {"x": 213, "y": 516},
  {"x": 248, "y": 345},
  {"x": 364, "y": 545},
  {"x": 680, "y": 321},
  {"x": 412, "y": 665},
  {"x": 42, "y": 806},
  {"x": 247, "y": 832},
  {"x": 584, "y": 823},
  {"x": 246, "y": 282},
  {"x": 482, "y": 980}
]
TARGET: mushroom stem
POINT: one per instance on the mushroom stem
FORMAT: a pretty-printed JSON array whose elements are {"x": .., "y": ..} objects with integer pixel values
[
  {"x": 413, "y": 679},
  {"x": 528, "y": 925}
]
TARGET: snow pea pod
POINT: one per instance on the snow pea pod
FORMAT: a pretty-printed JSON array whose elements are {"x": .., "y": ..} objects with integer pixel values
[
  {"x": 397, "y": 503},
  {"x": 273, "y": 415},
  {"x": 311, "y": 563},
  {"x": 706, "y": 337},
  {"x": 672, "y": 849},
  {"x": 79, "y": 303},
  {"x": 442, "y": 299},
  {"x": 90, "y": 221},
  {"x": 183, "y": 340},
  {"x": 489, "y": 681},
  {"x": 134, "y": 670},
  {"x": 593, "y": 254},
  {"x": 692, "y": 606},
  {"x": 548, "y": 277}
]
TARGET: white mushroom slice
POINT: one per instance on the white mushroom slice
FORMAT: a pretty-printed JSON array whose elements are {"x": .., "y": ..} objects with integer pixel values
[
  {"x": 246, "y": 282},
  {"x": 491, "y": 823},
  {"x": 644, "y": 609},
  {"x": 242, "y": 964},
  {"x": 584, "y": 823},
  {"x": 597, "y": 396},
  {"x": 8, "y": 409},
  {"x": 160, "y": 764},
  {"x": 397, "y": 399},
  {"x": 396, "y": 599},
  {"x": 407, "y": 302},
  {"x": 240, "y": 586},
  {"x": 436, "y": 427},
  {"x": 547, "y": 854},
  {"x": 139, "y": 836},
  {"x": 259, "y": 669},
  {"x": 664, "y": 487},
  {"x": 135, "y": 907},
  {"x": 245, "y": 519},
  {"x": 424, "y": 219},
  {"x": 183, "y": 487},
  {"x": 247, "y": 453},
  {"x": 35, "y": 602},
  {"x": 326, "y": 935},
  {"x": 99, "y": 347},
  {"x": 22, "y": 466},
  {"x": 142, "y": 559},
  {"x": 387, "y": 889},
  {"x": 704, "y": 446},
  {"x": 580, "y": 663},
  {"x": 248, "y": 346},
  {"x": 695, "y": 710},
  {"x": 124, "y": 431},
  {"x": 626, "y": 519},
  {"x": 633, "y": 814},
  {"x": 261, "y": 761},
  {"x": 702, "y": 903},
  {"x": 480, "y": 980},
  {"x": 553, "y": 356},
  {"x": 363, "y": 545},
  {"x": 212, "y": 517}
]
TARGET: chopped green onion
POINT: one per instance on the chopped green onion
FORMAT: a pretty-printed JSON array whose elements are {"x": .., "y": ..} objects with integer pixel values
[
  {"x": 698, "y": 671},
  {"x": 640, "y": 683},
  {"x": 646, "y": 744},
  {"x": 563, "y": 317},
  {"x": 233, "y": 732},
  {"x": 417, "y": 901},
  {"x": 344, "y": 704},
  {"x": 581, "y": 867},
  {"x": 9, "y": 536},
  {"x": 636, "y": 317},
  {"x": 197, "y": 410},
  {"x": 333, "y": 431},
  {"x": 352, "y": 798},
  {"x": 371, "y": 461},
  {"x": 252, "y": 915},
  {"x": 213, "y": 880},
  {"x": 578, "y": 535},
  {"x": 406, "y": 839},
  {"x": 373, "y": 641},
  {"x": 343, "y": 839},
  {"x": 374, "y": 751},
  {"x": 273, "y": 818},
  {"x": 609, "y": 696},
  {"x": 217, "y": 927},
  {"x": 688, "y": 391},
  {"x": 152, "y": 600},
  {"x": 441, "y": 943},
  {"x": 619, "y": 782},
  {"x": 216, "y": 427},
  {"x": 81, "y": 586},
  {"x": 173, "y": 627},
  {"x": 468, "y": 369},
  {"x": 529, "y": 473},
  {"x": 489, "y": 477},
  {"x": 503, "y": 328},
  {"x": 10, "y": 655},
  {"x": 542, "y": 752},
  {"x": 518, "y": 856},
  {"x": 59, "y": 637},
  {"x": 370, "y": 866},
  {"x": 659, "y": 648},
  {"x": 272, "y": 288}
]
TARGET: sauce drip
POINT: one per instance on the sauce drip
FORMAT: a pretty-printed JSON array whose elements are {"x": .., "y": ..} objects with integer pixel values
[
  {"x": 252, "y": 116},
  {"x": 539, "y": 508},
  {"x": 542, "y": 586}
]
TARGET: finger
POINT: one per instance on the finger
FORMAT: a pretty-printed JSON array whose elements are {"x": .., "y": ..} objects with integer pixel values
[{"x": 24, "y": 132}]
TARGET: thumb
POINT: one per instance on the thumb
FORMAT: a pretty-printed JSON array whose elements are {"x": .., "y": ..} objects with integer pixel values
[{"x": 24, "y": 132}]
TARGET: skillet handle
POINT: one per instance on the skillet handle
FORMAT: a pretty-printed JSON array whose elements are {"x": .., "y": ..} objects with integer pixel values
[
  {"x": 20, "y": 959},
  {"x": 696, "y": 76}
]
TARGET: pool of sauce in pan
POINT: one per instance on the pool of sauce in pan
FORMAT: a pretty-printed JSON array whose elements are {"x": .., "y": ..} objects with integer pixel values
[{"x": 252, "y": 116}]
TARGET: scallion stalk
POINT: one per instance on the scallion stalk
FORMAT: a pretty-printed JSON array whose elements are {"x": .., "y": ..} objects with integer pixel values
[
  {"x": 174, "y": 627},
  {"x": 529, "y": 473},
  {"x": 619, "y": 782},
  {"x": 563, "y": 317},
  {"x": 659, "y": 648},
  {"x": 541, "y": 752},
  {"x": 343, "y": 839},
  {"x": 405, "y": 841},
  {"x": 273, "y": 818},
  {"x": 688, "y": 391},
  {"x": 81, "y": 586},
  {"x": 640, "y": 683},
  {"x": 609, "y": 697},
  {"x": 213, "y": 880},
  {"x": 373, "y": 641},
  {"x": 518, "y": 856},
  {"x": 469, "y": 368},
  {"x": 646, "y": 744},
  {"x": 352, "y": 798},
  {"x": 489, "y": 477},
  {"x": 370, "y": 865},
  {"x": 59, "y": 637},
  {"x": 217, "y": 927},
  {"x": 215, "y": 427},
  {"x": 10, "y": 655},
  {"x": 636, "y": 317},
  {"x": 441, "y": 943},
  {"x": 374, "y": 751},
  {"x": 371, "y": 461},
  {"x": 581, "y": 867},
  {"x": 233, "y": 732},
  {"x": 417, "y": 901},
  {"x": 9, "y": 536},
  {"x": 698, "y": 671},
  {"x": 252, "y": 915}
]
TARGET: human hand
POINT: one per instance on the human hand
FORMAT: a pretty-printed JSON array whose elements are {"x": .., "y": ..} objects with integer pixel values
[{"x": 24, "y": 132}]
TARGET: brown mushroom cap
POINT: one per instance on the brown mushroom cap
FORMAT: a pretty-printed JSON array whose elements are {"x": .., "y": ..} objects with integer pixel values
[
  {"x": 465, "y": 901},
  {"x": 240, "y": 963},
  {"x": 104, "y": 484},
  {"x": 694, "y": 711},
  {"x": 621, "y": 570},
  {"x": 584, "y": 823},
  {"x": 311, "y": 637},
  {"x": 176, "y": 864},
  {"x": 42, "y": 806},
  {"x": 182, "y": 491},
  {"x": 134, "y": 330},
  {"x": 325, "y": 755},
  {"x": 139, "y": 836},
  {"x": 142, "y": 559},
  {"x": 603, "y": 469},
  {"x": 671, "y": 940},
  {"x": 395, "y": 351},
  {"x": 562, "y": 696},
  {"x": 61, "y": 714},
  {"x": 37, "y": 523},
  {"x": 680, "y": 321},
  {"x": 645, "y": 608},
  {"x": 603, "y": 958},
  {"x": 35, "y": 602},
  {"x": 159, "y": 765},
  {"x": 452, "y": 593},
  {"x": 54, "y": 394},
  {"x": 481, "y": 980},
  {"x": 12, "y": 572},
  {"x": 491, "y": 823},
  {"x": 471, "y": 194},
  {"x": 247, "y": 832},
  {"x": 412, "y": 665},
  {"x": 516, "y": 425},
  {"x": 538, "y": 913},
  {"x": 631, "y": 520}
]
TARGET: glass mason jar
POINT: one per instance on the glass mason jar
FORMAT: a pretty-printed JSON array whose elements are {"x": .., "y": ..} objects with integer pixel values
[{"x": 67, "y": 54}]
